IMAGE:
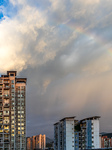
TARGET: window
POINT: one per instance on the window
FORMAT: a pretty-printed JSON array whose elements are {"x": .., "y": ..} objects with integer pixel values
[
  {"x": 12, "y": 86},
  {"x": 12, "y": 81},
  {"x": 1, "y": 81}
]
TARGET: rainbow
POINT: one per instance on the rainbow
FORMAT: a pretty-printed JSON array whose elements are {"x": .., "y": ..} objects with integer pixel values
[{"x": 90, "y": 35}]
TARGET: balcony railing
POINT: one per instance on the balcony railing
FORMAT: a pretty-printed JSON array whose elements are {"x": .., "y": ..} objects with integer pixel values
[
  {"x": 6, "y": 131},
  {"x": 1, "y": 122},
  {"x": 6, "y": 105},
  {"x": 6, "y": 122},
  {"x": 1, "y": 82},
  {"x": 1, "y": 145},
  {"x": 6, "y": 114},
  {"x": 6, "y": 87},
  {"x": 1, "y": 113},
  {"x": 6, "y": 140},
  {"x": 6, "y": 96},
  {"x": 6, "y": 82},
  {"x": 1, "y": 96}
]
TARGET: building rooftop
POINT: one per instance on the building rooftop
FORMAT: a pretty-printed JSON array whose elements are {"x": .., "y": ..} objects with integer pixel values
[
  {"x": 91, "y": 118},
  {"x": 21, "y": 80},
  {"x": 67, "y": 118},
  {"x": 56, "y": 123},
  {"x": 15, "y": 72},
  {"x": 109, "y": 135}
]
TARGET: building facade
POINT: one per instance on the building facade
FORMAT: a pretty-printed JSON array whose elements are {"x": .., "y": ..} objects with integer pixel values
[
  {"x": 37, "y": 142},
  {"x": 12, "y": 112},
  {"x": 64, "y": 134},
  {"x": 106, "y": 140},
  {"x": 87, "y": 133},
  {"x": 71, "y": 134},
  {"x": 29, "y": 143}
]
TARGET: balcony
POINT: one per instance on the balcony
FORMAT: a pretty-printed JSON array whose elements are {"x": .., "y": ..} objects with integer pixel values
[
  {"x": 1, "y": 113},
  {"x": 6, "y": 82},
  {"x": 6, "y": 140},
  {"x": 6, "y": 114},
  {"x": 6, "y": 96},
  {"x": 1, "y": 104},
  {"x": 1, "y": 131},
  {"x": 6, "y": 87},
  {"x": 1, "y": 145},
  {"x": 1, "y": 122},
  {"x": 6, "y": 131},
  {"x": 6, "y": 122},
  {"x": 6, "y": 105},
  {"x": 6, "y": 127},
  {"x": 6, "y": 146},
  {"x": 1, "y": 87},
  {"x": 1, "y": 81}
]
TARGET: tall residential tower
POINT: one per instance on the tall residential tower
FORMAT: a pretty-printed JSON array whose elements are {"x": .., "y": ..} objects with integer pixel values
[
  {"x": 12, "y": 112},
  {"x": 64, "y": 134}
]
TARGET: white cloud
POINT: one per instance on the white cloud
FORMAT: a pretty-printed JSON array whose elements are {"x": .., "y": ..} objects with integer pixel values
[{"x": 18, "y": 2}]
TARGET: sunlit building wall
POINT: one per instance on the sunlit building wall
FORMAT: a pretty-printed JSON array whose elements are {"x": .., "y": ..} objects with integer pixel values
[
  {"x": 12, "y": 112},
  {"x": 36, "y": 142},
  {"x": 41, "y": 141},
  {"x": 29, "y": 143}
]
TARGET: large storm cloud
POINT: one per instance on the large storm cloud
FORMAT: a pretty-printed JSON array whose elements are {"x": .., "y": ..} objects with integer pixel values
[{"x": 64, "y": 49}]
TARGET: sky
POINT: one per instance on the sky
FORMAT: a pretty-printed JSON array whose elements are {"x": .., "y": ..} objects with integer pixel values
[{"x": 64, "y": 50}]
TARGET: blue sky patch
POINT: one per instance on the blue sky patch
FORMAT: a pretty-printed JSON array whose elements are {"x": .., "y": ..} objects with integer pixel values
[
  {"x": 1, "y": 15},
  {"x": 7, "y": 9}
]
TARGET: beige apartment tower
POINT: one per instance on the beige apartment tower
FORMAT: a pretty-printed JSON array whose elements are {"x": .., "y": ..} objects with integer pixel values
[
  {"x": 12, "y": 112},
  {"x": 37, "y": 142}
]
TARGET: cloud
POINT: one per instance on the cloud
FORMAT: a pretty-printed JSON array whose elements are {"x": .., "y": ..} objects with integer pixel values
[
  {"x": 64, "y": 49},
  {"x": 17, "y": 36}
]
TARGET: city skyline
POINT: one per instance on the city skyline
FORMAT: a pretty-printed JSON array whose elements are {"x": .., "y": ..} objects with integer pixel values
[{"x": 64, "y": 49}]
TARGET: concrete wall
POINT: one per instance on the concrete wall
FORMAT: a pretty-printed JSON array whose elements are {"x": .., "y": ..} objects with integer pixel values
[
  {"x": 70, "y": 135},
  {"x": 95, "y": 130}
]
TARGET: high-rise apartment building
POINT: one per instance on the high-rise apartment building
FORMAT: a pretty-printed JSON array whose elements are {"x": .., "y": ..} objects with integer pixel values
[
  {"x": 64, "y": 134},
  {"x": 37, "y": 142},
  {"x": 71, "y": 134},
  {"x": 87, "y": 133},
  {"x": 29, "y": 143},
  {"x": 40, "y": 141},
  {"x": 12, "y": 112}
]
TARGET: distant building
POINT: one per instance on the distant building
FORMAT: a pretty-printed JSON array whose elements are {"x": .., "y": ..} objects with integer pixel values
[
  {"x": 106, "y": 140},
  {"x": 71, "y": 134},
  {"x": 29, "y": 143},
  {"x": 49, "y": 143},
  {"x": 37, "y": 142}
]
